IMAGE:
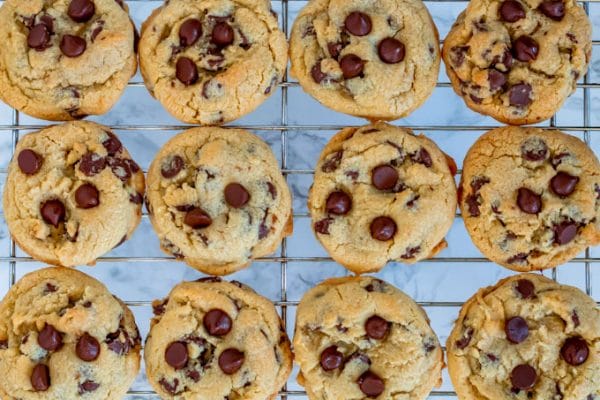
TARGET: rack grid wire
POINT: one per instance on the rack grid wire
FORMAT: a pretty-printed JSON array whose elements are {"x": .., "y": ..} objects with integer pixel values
[{"x": 283, "y": 304}]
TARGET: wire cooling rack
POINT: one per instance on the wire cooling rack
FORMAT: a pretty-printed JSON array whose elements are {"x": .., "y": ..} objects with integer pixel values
[{"x": 289, "y": 133}]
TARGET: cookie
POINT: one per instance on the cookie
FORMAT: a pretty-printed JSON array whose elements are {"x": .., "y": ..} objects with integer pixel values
[
  {"x": 212, "y": 61},
  {"x": 518, "y": 60},
  {"x": 360, "y": 337},
  {"x": 63, "y": 335},
  {"x": 72, "y": 194},
  {"x": 378, "y": 61},
  {"x": 527, "y": 337},
  {"x": 530, "y": 198},
  {"x": 62, "y": 60},
  {"x": 212, "y": 339},
  {"x": 381, "y": 193},
  {"x": 217, "y": 199}
]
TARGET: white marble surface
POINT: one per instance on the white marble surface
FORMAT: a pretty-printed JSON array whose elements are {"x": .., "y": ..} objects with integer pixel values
[{"x": 426, "y": 282}]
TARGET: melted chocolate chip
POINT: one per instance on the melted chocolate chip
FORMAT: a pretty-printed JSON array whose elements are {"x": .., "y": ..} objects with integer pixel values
[
  {"x": 176, "y": 355},
  {"x": 87, "y": 196},
  {"x": 516, "y": 329},
  {"x": 511, "y": 11},
  {"x": 422, "y": 157},
  {"x": 384, "y": 177},
  {"x": 519, "y": 258},
  {"x": 230, "y": 361},
  {"x": 136, "y": 198},
  {"x": 317, "y": 74},
  {"x": 525, "y": 288},
  {"x": 186, "y": 71},
  {"x": 272, "y": 190},
  {"x": 528, "y": 201},
  {"x": 112, "y": 144},
  {"x": 391, "y": 51},
  {"x": 217, "y": 322},
  {"x": 465, "y": 340},
  {"x": 358, "y": 24},
  {"x": 189, "y": 32},
  {"x": 331, "y": 359},
  {"x": 383, "y": 228},
  {"x": 553, "y": 9},
  {"x": 458, "y": 54},
  {"x": 338, "y": 203},
  {"x": 53, "y": 212},
  {"x": 564, "y": 232},
  {"x": 120, "y": 168},
  {"x": 222, "y": 34},
  {"x": 29, "y": 161},
  {"x": 39, "y": 37},
  {"x": 92, "y": 164},
  {"x": 81, "y": 10},
  {"x": 72, "y": 46},
  {"x": 172, "y": 166},
  {"x": 40, "y": 378},
  {"x": 236, "y": 195},
  {"x": 410, "y": 252},
  {"x": 88, "y": 386},
  {"x": 49, "y": 338},
  {"x": 371, "y": 384},
  {"x": 496, "y": 79},
  {"x": 332, "y": 161},
  {"x": 197, "y": 219},
  {"x": 563, "y": 184},
  {"x": 525, "y": 48},
  {"x": 322, "y": 226},
  {"x": 118, "y": 346},
  {"x": 335, "y": 49},
  {"x": 520, "y": 95},
  {"x": 352, "y": 66},
  {"x": 376, "y": 327},
  {"x": 87, "y": 348},
  {"x": 168, "y": 386},
  {"x": 534, "y": 149}
]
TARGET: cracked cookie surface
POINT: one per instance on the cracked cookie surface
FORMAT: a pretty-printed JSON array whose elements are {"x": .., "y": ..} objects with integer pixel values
[
  {"x": 517, "y": 61},
  {"x": 531, "y": 197},
  {"x": 72, "y": 194},
  {"x": 360, "y": 337},
  {"x": 527, "y": 337},
  {"x": 373, "y": 60},
  {"x": 217, "y": 199},
  {"x": 65, "y": 59},
  {"x": 212, "y": 339},
  {"x": 63, "y": 335},
  {"x": 212, "y": 61},
  {"x": 381, "y": 193}
]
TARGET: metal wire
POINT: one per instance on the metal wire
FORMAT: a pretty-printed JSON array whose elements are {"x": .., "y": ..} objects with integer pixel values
[{"x": 284, "y": 128}]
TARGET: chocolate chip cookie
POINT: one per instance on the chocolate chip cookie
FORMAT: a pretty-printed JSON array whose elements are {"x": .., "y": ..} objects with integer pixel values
[
  {"x": 72, "y": 193},
  {"x": 217, "y": 199},
  {"x": 518, "y": 60},
  {"x": 527, "y": 337},
  {"x": 378, "y": 61},
  {"x": 530, "y": 198},
  {"x": 63, "y": 335},
  {"x": 212, "y": 339},
  {"x": 210, "y": 62},
  {"x": 360, "y": 337},
  {"x": 381, "y": 193},
  {"x": 62, "y": 60}
]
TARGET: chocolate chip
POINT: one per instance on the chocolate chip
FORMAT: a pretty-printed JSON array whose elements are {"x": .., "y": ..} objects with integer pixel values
[
  {"x": 112, "y": 145},
  {"x": 358, "y": 24},
  {"x": 465, "y": 340},
  {"x": 87, "y": 196},
  {"x": 376, "y": 327},
  {"x": 575, "y": 351},
  {"x": 352, "y": 175},
  {"x": 410, "y": 252},
  {"x": 553, "y": 9},
  {"x": 496, "y": 79},
  {"x": 72, "y": 46},
  {"x": 230, "y": 361},
  {"x": 136, "y": 198},
  {"x": 511, "y": 11},
  {"x": 53, "y": 212},
  {"x": 3, "y": 344},
  {"x": 528, "y": 201},
  {"x": 520, "y": 94},
  {"x": 40, "y": 378},
  {"x": 317, "y": 74},
  {"x": 236, "y": 195},
  {"x": 88, "y": 386},
  {"x": 322, "y": 226},
  {"x": 97, "y": 30},
  {"x": 217, "y": 322},
  {"x": 525, "y": 48},
  {"x": 525, "y": 288},
  {"x": 523, "y": 377},
  {"x": 391, "y": 51},
  {"x": 272, "y": 190},
  {"x": 563, "y": 184},
  {"x": 49, "y": 338},
  {"x": 534, "y": 149},
  {"x": 172, "y": 166},
  {"x": 332, "y": 161},
  {"x": 383, "y": 228},
  {"x": 50, "y": 288},
  {"x": 118, "y": 346},
  {"x": 351, "y": 65},
  {"x": 81, "y": 10},
  {"x": 458, "y": 54},
  {"x": 38, "y": 37},
  {"x": 92, "y": 164},
  {"x": 371, "y": 384},
  {"x": 472, "y": 202},
  {"x": 186, "y": 71},
  {"x": 169, "y": 387},
  {"x": 189, "y": 32},
  {"x": 331, "y": 359},
  {"x": 335, "y": 49},
  {"x": 87, "y": 348},
  {"x": 222, "y": 34},
  {"x": 422, "y": 157},
  {"x": 575, "y": 318},
  {"x": 564, "y": 232},
  {"x": 193, "y": 375},
  {"x": 176, "y": 355},
  {"x": 516, "y": 329},
  {"x": 120, "y": 168},
  {"x": 29, "y": 161},
  {"x": 384, "y": 177},
  {"x": 519, "y": 258},
  {"x": 197, "y": 219},
  {"x": 338, "y": 203}
]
